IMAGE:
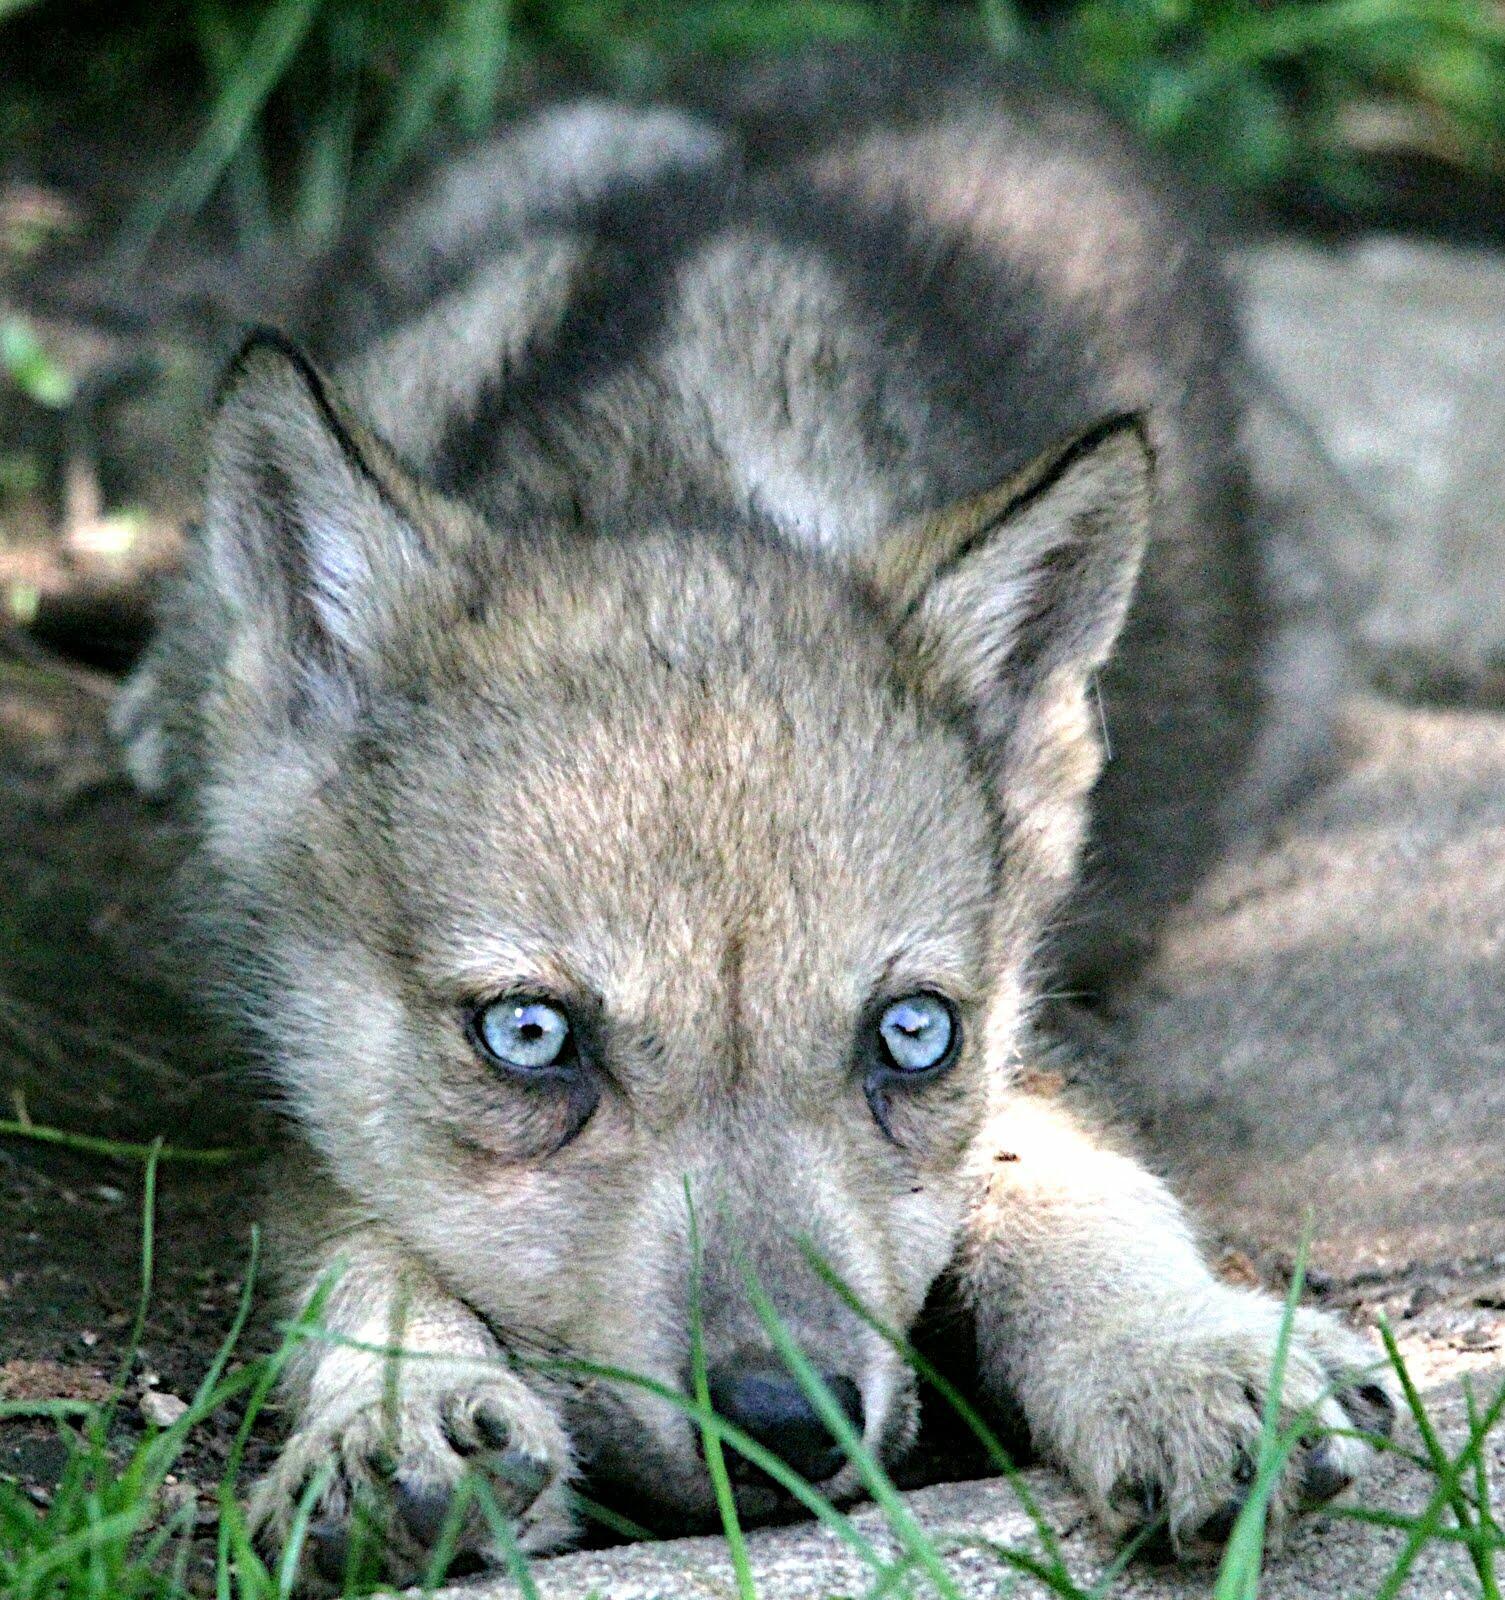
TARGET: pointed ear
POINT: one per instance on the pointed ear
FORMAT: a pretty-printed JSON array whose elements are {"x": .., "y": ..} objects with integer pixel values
[
  {"x": 1010, "y": 603},
  {"x": 311, "y": 529}
]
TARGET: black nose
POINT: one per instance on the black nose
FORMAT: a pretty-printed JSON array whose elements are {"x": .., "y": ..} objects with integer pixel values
[{"x": 771, "y": 1406}]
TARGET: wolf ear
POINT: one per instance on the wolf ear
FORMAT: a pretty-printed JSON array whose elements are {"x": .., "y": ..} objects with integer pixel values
[
  {"x": 310, "y": 527},
  {"x": 1011, "y": 602}
]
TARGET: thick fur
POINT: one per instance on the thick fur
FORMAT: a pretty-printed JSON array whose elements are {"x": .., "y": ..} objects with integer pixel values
[{"x": 698, "y": 603}]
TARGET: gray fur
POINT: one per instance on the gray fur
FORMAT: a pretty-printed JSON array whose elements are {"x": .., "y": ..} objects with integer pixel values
[{"x": 703, "y": 612}]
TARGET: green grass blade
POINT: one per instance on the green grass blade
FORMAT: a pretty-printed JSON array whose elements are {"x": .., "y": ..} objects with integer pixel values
[
  {"x": 66, "y": 1551},
  {"x": 279, "y": 34},
  {"x": 875, "y": 1479},
  {"x": 625, "y": 1528},
  {"x": 297, "y": 1534},
  {"x": 715, "y": 1460},
  {"x": 953, "y": 1397},
  {"x": 221, "y": 48},
  {"x": 483, "y": 31},
  {"x": 501, "y": 1530},
  {"x": 99, "y": 1424},
  {"x": 413, "y": 110},
  {"x": 57, "y": 1409},
  {"x": 1243, "y": 1559},
  {"x": 119, "y": 1150},
  {"x": 1397, "y": 1521},
  {"x": 1479, "y": 1426},
  {"x": 1449, "y": 1474}
]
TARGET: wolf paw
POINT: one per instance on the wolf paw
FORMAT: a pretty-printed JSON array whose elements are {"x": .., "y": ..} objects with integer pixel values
[
  {"x": 1162, "y": 1430},
  {"x": 390, "y": 1473}
]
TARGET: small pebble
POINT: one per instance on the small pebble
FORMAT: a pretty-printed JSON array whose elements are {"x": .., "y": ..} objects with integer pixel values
[
  {"x": 1423, "y": 1297},
  {"x": 1235, "y": 1267},
  {"x": 177, "y": 1494},
  {"x": 160, "y": 1409}
]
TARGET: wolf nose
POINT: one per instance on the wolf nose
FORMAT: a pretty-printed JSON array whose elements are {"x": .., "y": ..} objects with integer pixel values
[{"x": 772, "y": 1407}]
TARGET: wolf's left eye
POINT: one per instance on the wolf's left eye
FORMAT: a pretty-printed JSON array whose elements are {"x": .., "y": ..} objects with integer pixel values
[
  {"x": 918, "y": 1033},
  {"x": 525, "y": 1034}
]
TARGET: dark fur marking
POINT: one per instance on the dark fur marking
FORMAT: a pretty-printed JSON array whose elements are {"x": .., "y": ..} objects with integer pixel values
[{"x": 640, "y": 232}]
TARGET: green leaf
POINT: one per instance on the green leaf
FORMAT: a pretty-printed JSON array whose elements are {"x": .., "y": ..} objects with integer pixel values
[{"x": 28, "y": 365}]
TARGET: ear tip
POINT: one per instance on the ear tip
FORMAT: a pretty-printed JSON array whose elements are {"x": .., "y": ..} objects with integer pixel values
[
  {"x": 1124, "y": 432},
  {"x": 264, "y": 353}
]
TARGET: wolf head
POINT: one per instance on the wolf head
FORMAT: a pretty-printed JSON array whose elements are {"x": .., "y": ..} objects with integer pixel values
[{"x": 639, "y": 916}]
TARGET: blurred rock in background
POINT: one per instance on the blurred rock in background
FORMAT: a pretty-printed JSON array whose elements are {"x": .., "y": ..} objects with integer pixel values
[{"x": 1393, "y": 353}]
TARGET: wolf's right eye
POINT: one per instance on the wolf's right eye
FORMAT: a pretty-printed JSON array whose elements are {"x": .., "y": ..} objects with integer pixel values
[
  {"x": 918, "y": 1033},
  {"x": 526, "y": 1034}
]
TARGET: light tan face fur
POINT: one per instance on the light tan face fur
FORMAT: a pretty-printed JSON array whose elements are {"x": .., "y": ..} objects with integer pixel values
[
  {"x": 716, "y": 800},
  {"x": 718, "y": 845}
]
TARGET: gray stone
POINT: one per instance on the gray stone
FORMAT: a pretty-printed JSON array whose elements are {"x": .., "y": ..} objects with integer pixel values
[
  {"x": 1393, "y": 355},
  {"x": 1324, "y": 1025},
  {"x": 1325, "y": 1558}
]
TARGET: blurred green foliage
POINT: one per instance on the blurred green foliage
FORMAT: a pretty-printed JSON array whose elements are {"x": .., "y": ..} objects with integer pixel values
[
  {"x": 1295, "y": 89},
  {"x": 29, "y": 366},
  {"x": 305, "y": 108}
]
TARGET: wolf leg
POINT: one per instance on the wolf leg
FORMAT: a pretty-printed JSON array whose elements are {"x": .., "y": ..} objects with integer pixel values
[
  {"x": 389, "y": 1438},
  {"x": 1140, "y": 1373}
]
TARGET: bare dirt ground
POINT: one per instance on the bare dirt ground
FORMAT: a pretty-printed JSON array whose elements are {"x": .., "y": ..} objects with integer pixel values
[
  {"x": 99, "y": 1032},
  {"x": 97, "y": 1037}
]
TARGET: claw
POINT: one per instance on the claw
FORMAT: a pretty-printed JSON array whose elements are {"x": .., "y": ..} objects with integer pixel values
[
  {"x": 495, "y": 1431},
  {"x": 1219, "y": 1526},
  {"x": 471, "y": 1431},
  {"x": 1323, "y": 1478},
  {"x": 1372, "y": 1407},
  {"x": 1142, "y": 1505},
  {"x": 423, "y": 1508},
  {"x": 1142, "y": 1500},
  {"x": 328, "y": 1545},
  {"x": 523, "y": 1477}
]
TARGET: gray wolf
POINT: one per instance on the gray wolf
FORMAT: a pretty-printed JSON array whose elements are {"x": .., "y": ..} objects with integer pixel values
[{"x": 645, "y": 717}]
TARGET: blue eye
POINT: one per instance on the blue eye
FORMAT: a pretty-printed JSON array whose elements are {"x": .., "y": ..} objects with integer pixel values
[
  {"x": 918, "y": 1033},
  {"x": 524, "y": 1034}
]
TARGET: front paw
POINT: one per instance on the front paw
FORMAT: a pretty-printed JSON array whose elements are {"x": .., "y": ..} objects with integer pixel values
[
  {"x": 1160, "y": 1422},
  {"x": 390, "y": 1467}
]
